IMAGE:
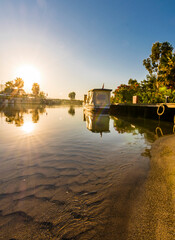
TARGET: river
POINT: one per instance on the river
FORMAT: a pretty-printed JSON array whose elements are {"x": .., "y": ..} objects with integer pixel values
[{"x": 66, "y": 174}]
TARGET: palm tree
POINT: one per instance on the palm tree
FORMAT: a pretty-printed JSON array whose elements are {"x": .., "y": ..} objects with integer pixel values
[
  {"x": 19, "y": 83},
  {"x": 36, "y": 89}
]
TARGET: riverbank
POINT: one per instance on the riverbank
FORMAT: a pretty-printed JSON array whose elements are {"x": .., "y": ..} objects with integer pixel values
[
  {"x": 37, "y": 100},
  {"x": 153, "y": 212},
  {"x": 53, "y": 101}
]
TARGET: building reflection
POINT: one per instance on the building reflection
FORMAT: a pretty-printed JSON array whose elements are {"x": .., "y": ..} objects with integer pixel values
[{"x": 97, "y": 123}]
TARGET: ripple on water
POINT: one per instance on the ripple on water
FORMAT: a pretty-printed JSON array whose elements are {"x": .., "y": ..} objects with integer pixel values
[{"x": 67, "y": 187}]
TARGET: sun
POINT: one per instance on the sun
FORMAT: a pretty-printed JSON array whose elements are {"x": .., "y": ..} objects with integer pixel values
[
  {"x": 28, "y": 127},
  {"x": 29, "y": 75}
]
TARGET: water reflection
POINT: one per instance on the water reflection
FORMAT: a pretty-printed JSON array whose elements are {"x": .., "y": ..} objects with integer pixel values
[
  {"x": 123, "y": 127},
  {"x": 15, "y": 114},
  {"x": 14, "y": 117},
  {"x": 64, "y": 183},
  {"x": 35, "y": 115},
  {"x": 28, "y": 127},
  {"x": 151, "y": 129},
  {"x": 71, "y": 111},
  {"x": 97, "y": 123}
]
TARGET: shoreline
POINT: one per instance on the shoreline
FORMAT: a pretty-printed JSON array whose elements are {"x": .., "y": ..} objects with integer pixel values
[
  {"x": 153, "y": 212},
  {"x": 35, "y": 101}
]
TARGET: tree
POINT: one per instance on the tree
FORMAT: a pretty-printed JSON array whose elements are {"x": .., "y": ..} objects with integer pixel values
[
  {"x": 72, "y": 95},
  {"x": 132, "y": 82},
  {"x": 42, "y": 94},
  {"x": 15, "y": 87},
  {"x": 167, "y": 72},
  {"x": 148, "y": 91},
  {"x": 36, "y": 89},
  {"x": 124, "y": 93},
  {"x": 9, "y": 87},
  {"x": 19, "y": 83},
  {"x": 161, "y": 63},
  {"x": 159, "y": 83}
]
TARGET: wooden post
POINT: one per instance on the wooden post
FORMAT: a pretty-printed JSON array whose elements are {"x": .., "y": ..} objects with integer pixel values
[
  {"x": 135, "y": 99},
  {"x": 85, "y": 98}
]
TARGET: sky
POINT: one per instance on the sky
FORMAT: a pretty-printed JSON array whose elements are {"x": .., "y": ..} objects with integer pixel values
[{"x": 77, "y": 45}]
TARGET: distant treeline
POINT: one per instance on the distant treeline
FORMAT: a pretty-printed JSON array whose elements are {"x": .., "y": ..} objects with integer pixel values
[
  {"x": 43, "y": 101},
  {"x": 62, "y": 102}
]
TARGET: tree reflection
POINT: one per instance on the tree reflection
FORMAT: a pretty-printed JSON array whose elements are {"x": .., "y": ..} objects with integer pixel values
[
  {"x": 15, "y": 114},
  {"x": 35, "y": 115},
  {"x": 71, "y": 111},
  {"x": 123, "y": 127},
  {"x": 151, "y": 129}
]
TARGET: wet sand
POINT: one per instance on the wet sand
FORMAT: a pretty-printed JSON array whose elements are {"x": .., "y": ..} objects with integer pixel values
[{"x": 153, "y": 212}]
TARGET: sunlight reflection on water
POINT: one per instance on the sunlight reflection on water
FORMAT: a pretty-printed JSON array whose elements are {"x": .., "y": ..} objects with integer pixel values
[{"x": 28, "y": 127}]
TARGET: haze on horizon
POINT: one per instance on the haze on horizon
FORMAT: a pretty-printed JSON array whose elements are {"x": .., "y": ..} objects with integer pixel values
[{"x": 79, "y": 45}]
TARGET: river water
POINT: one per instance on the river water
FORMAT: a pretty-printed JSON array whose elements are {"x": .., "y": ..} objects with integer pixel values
[{"x": 66, "y": 174}]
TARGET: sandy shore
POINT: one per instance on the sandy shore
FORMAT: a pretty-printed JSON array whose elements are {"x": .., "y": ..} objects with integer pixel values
[{"x": 153, "y": 212}]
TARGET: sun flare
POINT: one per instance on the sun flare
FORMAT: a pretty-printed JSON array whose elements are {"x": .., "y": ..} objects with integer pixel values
[
  {"x": 28, "y": 127},
  {"x": 29, "y": 75}
]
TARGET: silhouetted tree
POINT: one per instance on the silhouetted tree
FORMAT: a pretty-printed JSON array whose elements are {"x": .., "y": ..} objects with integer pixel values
[
  {"x": 9, "y": 87},
  {"x": 42, "y": 94},
  {"x": 19, "y": 83},
  {"x": 72, "y": 95},
  {"x": 36, "y": 89}
]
